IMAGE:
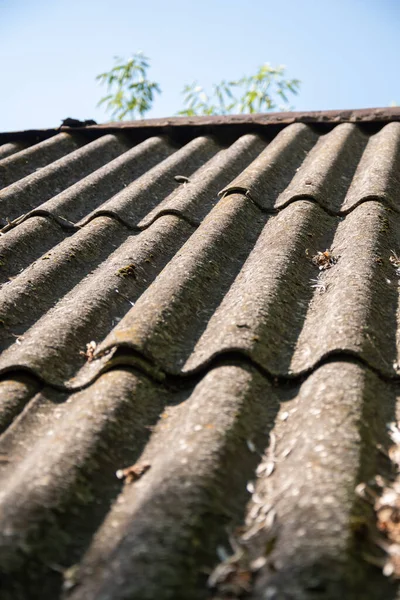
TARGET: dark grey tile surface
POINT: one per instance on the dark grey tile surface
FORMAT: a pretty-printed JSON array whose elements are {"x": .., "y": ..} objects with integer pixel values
[{"x": 162, "y": 305}]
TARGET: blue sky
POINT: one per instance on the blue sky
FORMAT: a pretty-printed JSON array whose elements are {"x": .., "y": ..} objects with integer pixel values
[{"x": 346, "y": 53}]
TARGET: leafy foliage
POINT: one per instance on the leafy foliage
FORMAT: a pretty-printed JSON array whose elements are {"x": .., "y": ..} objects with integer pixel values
[
  {"x": 256, "y": 93},
  {"x": 130, "y": 91}
]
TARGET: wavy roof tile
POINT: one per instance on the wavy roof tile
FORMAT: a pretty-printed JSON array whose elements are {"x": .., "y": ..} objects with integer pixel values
[{"x": 215, "y": 302}]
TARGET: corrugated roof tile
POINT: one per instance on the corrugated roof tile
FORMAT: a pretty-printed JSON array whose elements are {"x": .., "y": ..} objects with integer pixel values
[
  {"x": 51, "y": 345},
  {"x": 23, "y": 195},
  {"x": 219, "y": 312},
  {"x": 134, "y": 202},
  {"x": 74, "y": 203},
  {"x": 39, "y": 155},
  {"x": 299, "y": 535},
  {"x": 14, "y": 395},
  {"x": 195, "y": 199},
  {"x": 24, "y": 244},
  {"x": 270, "y": 173},
  {"x": 11, "y": 148},
  {"x": 378, "y": 172},
  {"x": 327, "y": 172}
]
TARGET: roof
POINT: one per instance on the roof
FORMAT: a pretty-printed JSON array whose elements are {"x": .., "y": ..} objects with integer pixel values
[{"x": 200, "y": 358}]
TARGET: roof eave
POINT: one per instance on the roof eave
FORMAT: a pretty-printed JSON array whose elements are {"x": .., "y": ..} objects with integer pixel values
[{"x": 210, "y": 124}]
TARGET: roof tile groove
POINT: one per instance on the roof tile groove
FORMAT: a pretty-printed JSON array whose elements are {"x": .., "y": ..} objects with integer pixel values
[
  {"x": 378, "y": 179},
  {"x": 64, "y": 465},
  {"x": 73, "y": 449},
  {"x": 51, "y": 346},
  {"x": 11, "y": 148},
  {"x": 14, "y": 395},
  {"x": 285, "y": 329},
  {"x": 74, "y": 203},
  {"x": 22, "y": 245},
  {"x": 40, "y": 155},
  {"x": 195, "y": 199},
  {"x": 70, "y": 452},
  {"x": 135, "y": 201},
  {"x": 166, "y": 312},
  {"x": 213, "y": 315},
  {"x": 303, "y": 506},
  {"x": 339, "y": 171},
  {"x": 29, "y": 295},
  {"x": 273, "y": 169},
  {"x": 328, "y": 170},
  {"x": 23, "y": 195},
  {"x": 358, "y": 312}
]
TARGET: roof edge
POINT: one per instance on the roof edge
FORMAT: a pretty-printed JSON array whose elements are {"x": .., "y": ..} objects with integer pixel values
[
  {"x": 273, "y": 118},
  {"x": 208, "y": 123}
]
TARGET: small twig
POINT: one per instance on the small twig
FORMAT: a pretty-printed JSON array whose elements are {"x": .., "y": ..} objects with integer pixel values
[{"x": 11, "y": 224}]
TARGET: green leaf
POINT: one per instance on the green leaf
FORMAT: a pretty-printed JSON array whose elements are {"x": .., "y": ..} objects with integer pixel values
[{"x": 131, "y": 92}]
